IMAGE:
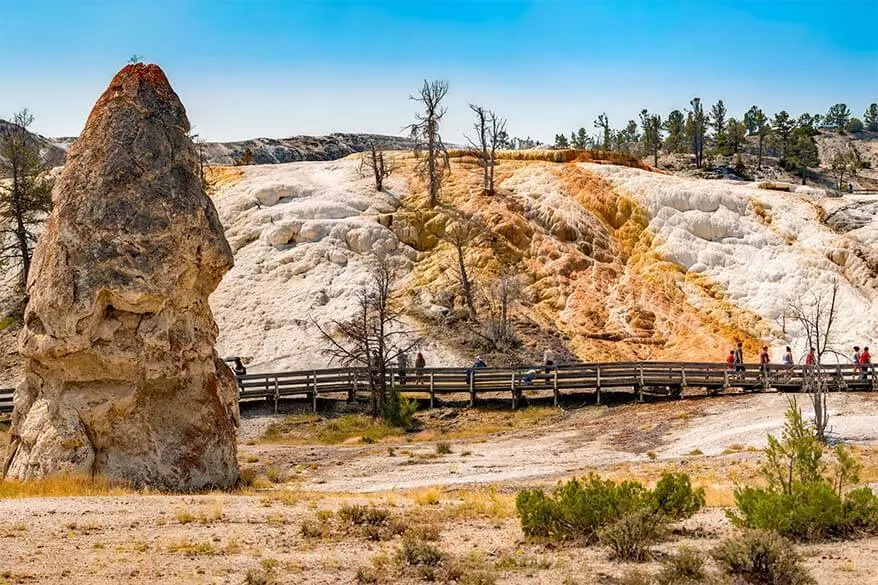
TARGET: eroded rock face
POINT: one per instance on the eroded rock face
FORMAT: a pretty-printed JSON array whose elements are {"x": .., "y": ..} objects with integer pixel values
[{"x": 122, "y": 378}]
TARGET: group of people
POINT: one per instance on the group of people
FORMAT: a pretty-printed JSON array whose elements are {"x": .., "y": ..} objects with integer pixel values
[
  {"x": 735, "y": 360},
  {"x": 402, "y": 364}
]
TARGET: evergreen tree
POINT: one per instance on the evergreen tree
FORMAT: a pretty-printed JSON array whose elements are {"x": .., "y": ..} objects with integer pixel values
[
  {"x": 652, "y": 134},
  {"x": 810, "y": 122},
  {"x": 603, "y": 123},
  {"x": 696, "y": 130},
  {"x": 750, "y": 120},
  {"x": 854, "y": 125},
  {"x": 871, "y": 118},
  {"x": 838, "y": 117},
  {"x": 561, "y": 141},
  {"x": 735, "y": 135},
  {"x": 782, "y": 126},
  {"x": 675, "y": 127},
  {"x": 718, "y": 121},
  {"x": 802, "y": 152},
  {"x": 763, "y": 130},
  {"x": 25, "y": 195}
]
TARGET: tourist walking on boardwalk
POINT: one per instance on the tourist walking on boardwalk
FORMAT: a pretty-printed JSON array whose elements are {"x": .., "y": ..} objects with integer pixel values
[
  {"x": 739, "y": 357},
  {"x": 788, "y": 362},
  {"x": 763, "y": 362},
  {"x": 548, "y": 362},
  {"x": 240, "y": 370},
  {"x": 402, "y": 363},
  {"x": 810, "y": 359},
  {"x": 420, "y": 363},
  {"x": 855, "y": 359},
  {"x": 865, "y": 364},
  {"x": 479, "y": 363},
  {"x": 730, "y": 361}
]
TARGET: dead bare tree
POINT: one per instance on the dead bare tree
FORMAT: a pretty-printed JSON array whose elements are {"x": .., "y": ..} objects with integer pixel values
[
  {"x": 816, "y": 318},
  {"x": 425, "y": 132},
  {"x": 844, "y": 160},
  {"x": 201, "y": 147},
  {"x": 499, "y": 297},
  {"x": 490, "y": 130},
  {"x": 375, "y": 336},
  {"x": 373, "y": 161},
  {"x": 462, "y": 233},
  {"x": 25, "y": 194}
]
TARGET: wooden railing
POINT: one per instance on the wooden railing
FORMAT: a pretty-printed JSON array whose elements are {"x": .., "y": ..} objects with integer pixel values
[
  {"x": 635, "y": 379},
  {"x": 638, "y": 379},
  {"x": 6, "y": 400}
]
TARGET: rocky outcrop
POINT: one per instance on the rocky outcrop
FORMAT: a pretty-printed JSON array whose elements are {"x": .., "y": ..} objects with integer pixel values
[{"x": 121, "y": 375}]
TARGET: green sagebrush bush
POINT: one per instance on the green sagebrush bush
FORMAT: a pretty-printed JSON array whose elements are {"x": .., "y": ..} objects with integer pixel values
[
  {"x": 761, "y": 558},
  {"x": 580, "y": 509},
  {"x": 687, "y": 567},
  {"x": 805, "y": 498}
]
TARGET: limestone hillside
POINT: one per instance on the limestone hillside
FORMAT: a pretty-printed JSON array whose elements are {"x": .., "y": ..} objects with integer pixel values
[{"x": 614, "y": 262}]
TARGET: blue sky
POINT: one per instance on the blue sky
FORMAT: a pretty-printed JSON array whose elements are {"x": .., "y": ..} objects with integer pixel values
[{"x": 246, "y": 69}]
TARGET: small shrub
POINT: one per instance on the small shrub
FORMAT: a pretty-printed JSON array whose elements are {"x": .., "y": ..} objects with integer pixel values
[
  {"x": 685, "y": 567},
  {"x": 805, "y": 499},
  {"x": 631, "y": 536},
  {"x": 759, "y": 558},
  {"x": 185, "y": 517},
  {"x": 360, "y": 515},
  {"x": 417, "y": 552},
  {"x": 264, "y": 574},
  {"x": 579, "y": 509},
  {"x": 636, "y": 577},
  {"x": 247, "y": 477},
  {"x": 399, "y": 410},
  {"x": 443, "y": 448},
  {"x": 674, "y": 497}
]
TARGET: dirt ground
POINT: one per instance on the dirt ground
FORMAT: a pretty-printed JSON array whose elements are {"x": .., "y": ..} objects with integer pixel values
[{"x": 261, "y": 534}]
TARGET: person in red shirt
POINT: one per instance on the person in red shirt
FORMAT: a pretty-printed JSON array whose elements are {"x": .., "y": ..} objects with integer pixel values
[
  {"x": 865, "y": 364},
  {"x": 730, "y": 361},
  {"x": 810, "y": 359},
  {"x": 763, "y": 361}
]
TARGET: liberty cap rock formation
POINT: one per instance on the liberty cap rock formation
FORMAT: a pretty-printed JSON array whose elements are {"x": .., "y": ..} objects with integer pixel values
[{"x": 121, "y": 376}]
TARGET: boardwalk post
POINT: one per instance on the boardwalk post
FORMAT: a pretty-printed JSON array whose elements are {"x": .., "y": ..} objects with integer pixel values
[
  {"x": 472, "y": 387},
  {"x": 432, "y": 391},
  {"x": 353, "y": 389},
  {"x": 514, "y": 395},
  {"x": 276, "y": 395},
  {"x": 640, "y": 386},
  {"x": 682, "y": 381},
  {"x": 597, "y": 390},
  {"x": 555, "y": 385},
  {"x": 726, "y": 379},
  {"x": 314, "y": 397}
]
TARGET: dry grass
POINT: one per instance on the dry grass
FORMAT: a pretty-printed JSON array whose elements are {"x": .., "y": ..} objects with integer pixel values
[
  {"x": 64, "y": 486},
  {"x": 482, "y": 503},
  {"x": 307, "y": 429}
]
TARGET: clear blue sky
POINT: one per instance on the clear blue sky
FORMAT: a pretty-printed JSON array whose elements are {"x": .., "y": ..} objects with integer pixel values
[{"x": 246, "y": 69}]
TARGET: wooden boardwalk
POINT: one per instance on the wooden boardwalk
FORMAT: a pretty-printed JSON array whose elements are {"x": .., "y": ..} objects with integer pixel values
[{"x": 593, "y": 381}]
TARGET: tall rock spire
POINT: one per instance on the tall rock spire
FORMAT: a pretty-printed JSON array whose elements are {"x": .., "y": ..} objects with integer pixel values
[{"x": 122, "y": 378}]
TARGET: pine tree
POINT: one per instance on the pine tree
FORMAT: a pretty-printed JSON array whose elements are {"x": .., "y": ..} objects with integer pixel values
[
  {"x": 870, "y": 118},
  {"x": 782, "y": 126},
  {"x": 25, "y": 195},
  {"x": 802, "y": 152},
  {"x": 718, "y": 121},
  {"x": 561, "y": 141},
  {"x": 696, "y": 130},
  {"x": 652, "y": 134},
  {"x": 603, "y": 123},
  {"x": 838, "y": 116},
  {"x": 735, "y": 135},
  {"x": 675, "y": 127}
]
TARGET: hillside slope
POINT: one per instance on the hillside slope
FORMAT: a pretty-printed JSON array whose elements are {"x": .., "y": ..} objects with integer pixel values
[{"x": 615, "y": 262}]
